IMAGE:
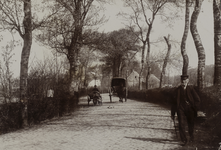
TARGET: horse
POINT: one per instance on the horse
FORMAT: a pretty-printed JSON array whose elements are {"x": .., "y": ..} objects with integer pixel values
[{"x": 96, "y": 97}]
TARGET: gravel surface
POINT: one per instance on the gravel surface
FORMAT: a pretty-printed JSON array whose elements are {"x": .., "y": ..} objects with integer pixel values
[{"x": 131, "y": 125}]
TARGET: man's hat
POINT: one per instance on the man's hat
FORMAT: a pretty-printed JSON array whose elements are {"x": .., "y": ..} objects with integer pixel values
[{"x": 184, "y": 77}]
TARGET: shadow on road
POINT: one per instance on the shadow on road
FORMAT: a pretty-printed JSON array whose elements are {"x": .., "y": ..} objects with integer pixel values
[
  {"x": 156, "y": 140},
  {"x": 86, "y": 124}
]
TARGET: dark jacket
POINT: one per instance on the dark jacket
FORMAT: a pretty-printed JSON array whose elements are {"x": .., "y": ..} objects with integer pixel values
[
  {"x": 95, "y": 89},
  {"x": 193, "y": 98}
]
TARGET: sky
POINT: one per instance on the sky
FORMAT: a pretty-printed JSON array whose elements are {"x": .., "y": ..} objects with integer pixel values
[{"x": 205, "y": 28}]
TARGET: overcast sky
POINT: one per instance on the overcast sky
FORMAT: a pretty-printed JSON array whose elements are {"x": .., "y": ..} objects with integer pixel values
[{"x": 205, "y": 28}]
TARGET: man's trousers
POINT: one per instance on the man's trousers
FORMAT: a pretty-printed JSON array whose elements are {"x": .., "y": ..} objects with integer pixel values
[{"x": 186, "y": 113}]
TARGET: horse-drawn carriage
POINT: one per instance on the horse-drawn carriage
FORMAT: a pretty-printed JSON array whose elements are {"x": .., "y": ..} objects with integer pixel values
[{"x": 118, "y": 87}]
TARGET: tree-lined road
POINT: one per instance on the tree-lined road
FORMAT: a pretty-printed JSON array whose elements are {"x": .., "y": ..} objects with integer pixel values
[{"x": 131, "y": 125}]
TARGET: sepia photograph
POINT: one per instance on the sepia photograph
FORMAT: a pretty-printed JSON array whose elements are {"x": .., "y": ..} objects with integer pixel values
[{"x": 110, "y": 74}]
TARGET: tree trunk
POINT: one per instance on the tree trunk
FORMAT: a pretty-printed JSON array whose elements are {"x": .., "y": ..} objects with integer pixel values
[
  {"x": 217, "y": 42},
  {"x": 198, "y": 44},
  {"x": 75, "y": 48},
  {"x": 142, "y": 64},
  {"x": 165, "y": 60},
  {"x": 73, "y": 54},
  {"x": 148, "y": 53},
  {"x": 27, "y": 37},
  {"x": 183, "y": 43},
  {"x": 148, "y": 68}
]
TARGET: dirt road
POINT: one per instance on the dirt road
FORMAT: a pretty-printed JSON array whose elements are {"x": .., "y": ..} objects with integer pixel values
[{"x": 131, "y": 125}]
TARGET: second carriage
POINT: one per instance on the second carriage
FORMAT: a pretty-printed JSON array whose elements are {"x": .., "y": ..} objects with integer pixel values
[{"x": 119, "y": 88}]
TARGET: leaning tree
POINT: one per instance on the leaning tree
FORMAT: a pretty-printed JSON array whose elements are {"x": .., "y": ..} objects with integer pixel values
[
  {"x": 184, "y": 38},
  {"x": 198, "y": 45}
]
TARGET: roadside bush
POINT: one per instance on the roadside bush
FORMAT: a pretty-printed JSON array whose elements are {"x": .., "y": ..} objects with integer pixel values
[
  {"x": 40, "y": 107},
  {"x": 161, "y": 96},
  {"x": 39, "y": 110},
  {"x": 44, "y": 76},
  {"x": 211, "y": 105},
  {"x": 10, "y": 117}
]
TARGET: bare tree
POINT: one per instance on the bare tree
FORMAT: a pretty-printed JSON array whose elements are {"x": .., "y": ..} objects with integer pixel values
[
  {"x": 144, "y": 13},
  {"x": 198, "y": 45},
  {"x": 66, "y": 31},
  {"x": 167, "y": 39}
]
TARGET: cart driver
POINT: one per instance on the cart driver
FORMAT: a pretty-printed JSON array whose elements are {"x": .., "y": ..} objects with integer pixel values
[{"x": 95, "y": 89}]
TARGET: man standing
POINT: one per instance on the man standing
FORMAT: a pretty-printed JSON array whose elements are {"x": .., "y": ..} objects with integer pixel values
[{"x": 186, "y": 101}]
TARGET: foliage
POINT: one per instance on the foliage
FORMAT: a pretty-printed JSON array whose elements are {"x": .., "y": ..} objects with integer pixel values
[{"x": 119, "y": 48}]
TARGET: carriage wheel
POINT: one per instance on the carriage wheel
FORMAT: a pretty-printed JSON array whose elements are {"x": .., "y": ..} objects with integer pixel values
[
  {"x": 100, "y": 102},
  {"x": 126, "y": 93}
]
